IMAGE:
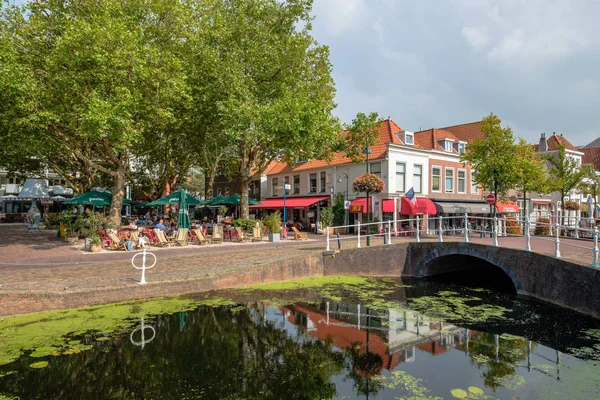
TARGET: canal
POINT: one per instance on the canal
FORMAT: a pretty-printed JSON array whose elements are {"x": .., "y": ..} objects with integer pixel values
[{"x": 322, "y": 338}]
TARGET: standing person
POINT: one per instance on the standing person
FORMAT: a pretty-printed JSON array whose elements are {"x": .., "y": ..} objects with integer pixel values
[
  {"x": 160, "y": 226},
  {"x": 128, "y": 241}
]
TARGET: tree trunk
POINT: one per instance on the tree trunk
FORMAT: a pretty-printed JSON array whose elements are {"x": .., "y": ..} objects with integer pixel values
[
  {"x": 244, "y": 210},
  {"x": 118, "y": 190},
  {"x": 212, "y": 170}
]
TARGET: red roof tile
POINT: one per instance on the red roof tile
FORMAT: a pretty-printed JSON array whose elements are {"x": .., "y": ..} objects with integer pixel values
[
  {"x": 430, "y": 138},
  {"x": 591, "y": 155},
  {"x": 467, "y": 132},
  {"x": 555, "y": 141}
]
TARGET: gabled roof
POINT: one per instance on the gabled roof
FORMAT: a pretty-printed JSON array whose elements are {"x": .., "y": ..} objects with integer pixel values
[
  {"x": 595, "y": 143},
  {"x": 555, "y": 141},
  {"x": 430, "y": 138},
  {"x": 591, "y": 155},
  {"x": 467, "y": 132},
  {"x": 387, "y": 134}
]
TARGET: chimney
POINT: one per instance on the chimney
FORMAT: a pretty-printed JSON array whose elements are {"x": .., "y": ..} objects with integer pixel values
[{"x": 543, "y": 147}]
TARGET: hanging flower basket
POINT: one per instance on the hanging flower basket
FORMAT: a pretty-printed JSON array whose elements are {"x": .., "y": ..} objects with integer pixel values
[
  {"x": 368, "y": 183},
  {"x": 571, "y": 205}
]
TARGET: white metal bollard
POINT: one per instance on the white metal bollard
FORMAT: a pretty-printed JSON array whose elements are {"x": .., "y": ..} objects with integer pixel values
[
  {"x": 504, "y": 227},
  {"x": 418, "y": 231},
  {"x": 389, "y": 232},
  {"x": 576, "y": 227},
  {"x": 495, "y": 231},
  {"x": 466, "y": 229},
  {"x": 358, "y": 236},
  {"x": 557, "y": 250},
  {"x": 596, "y": 263},
  {"x": 143, "y": 267},
  {"x": 440, "y": 237},
  {"x": 143, "y": 341},
  {"x": 327, "y": 228},
  {"x": 527, "y": 235}
]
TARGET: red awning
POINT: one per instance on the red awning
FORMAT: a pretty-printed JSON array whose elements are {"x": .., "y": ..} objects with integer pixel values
[
  {"x": 290, "y": 202},
  {"x": 359, "y": 205},
  {"x": 387, "y": 205},
  {"x": 507, "y": 207},
  {"x": 548, "y": 202},
  {"x": 423, "y": 206}
]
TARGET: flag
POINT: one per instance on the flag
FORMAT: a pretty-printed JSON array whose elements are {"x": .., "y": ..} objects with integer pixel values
[{"x": 410, "y": 195}]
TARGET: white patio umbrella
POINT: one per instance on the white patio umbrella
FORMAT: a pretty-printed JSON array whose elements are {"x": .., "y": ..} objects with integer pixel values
[
  {"x": 58, "y": 198},
  {"x": 9, "y": 197}
]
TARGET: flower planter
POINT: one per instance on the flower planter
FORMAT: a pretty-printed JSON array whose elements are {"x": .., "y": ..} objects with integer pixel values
[
  {"x": 274, "y": 237},
  {"x": 95, "y": 248},
  {"x": 331, "y": 231},
  {"x": 72, "y": 239}
]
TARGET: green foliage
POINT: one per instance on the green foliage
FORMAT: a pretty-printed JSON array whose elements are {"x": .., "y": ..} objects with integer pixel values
[
  {"x": 339, "y": 212},
  {"x": 359, "y": 133},
  {"x": 198, "y": 214},
  {"x": 494, "y": 157},
  {"x": 326, "y": 216},
  {"x": 273, "y": 222},
  {"x": 89, "y": 224},
  {"x": 247, "y": 224},
  {"x": 70, "y": 220},
  {"x": 542, "y": 230},
  {"x": 531, "y": 174},
  {"x": 51, "y": 220},
  {"x": 222, "y": 211},
  {"x": 95, "y": 239}
]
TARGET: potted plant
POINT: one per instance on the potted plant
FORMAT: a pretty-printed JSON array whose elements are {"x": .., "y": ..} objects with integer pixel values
[
  {"x": 95, "y": 243},
  {"x": 273, "y": 224},
  {"x": 571, "y": 205},
  {"x": 326, "y": 216}
]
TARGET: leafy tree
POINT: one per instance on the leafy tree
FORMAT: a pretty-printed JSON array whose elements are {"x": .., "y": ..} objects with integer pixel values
[
  {"x": 276, "y": 91},
  {"x": 339, "y": 212},
  {"x": 531, "y": 175},
  {"x": 590, "y": 185},
  {"x": 96, "y": 74},
  {"x": 564, "y": 173},
  {"x": 494, "y": 158},
  {"x": 359, "y": 133}
]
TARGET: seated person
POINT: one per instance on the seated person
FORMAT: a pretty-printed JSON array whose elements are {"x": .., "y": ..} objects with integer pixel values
[
  {"x": 160, "y": 226},
  {"x": 142, "y": 240},
  {"x": 134, "y": 223},
  {"x": 128, "y": 241}
]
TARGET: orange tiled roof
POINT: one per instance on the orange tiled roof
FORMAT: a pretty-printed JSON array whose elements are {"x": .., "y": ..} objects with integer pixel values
[
  {"x": 387, "y": 134},
  {"x": 555, "y": 141},
  {"x": 591, "y": 155},
  {"x": 467, "y": 132},
  {"x": 430, "y": 138}
]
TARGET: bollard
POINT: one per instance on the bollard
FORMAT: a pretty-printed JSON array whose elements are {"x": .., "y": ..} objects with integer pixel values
[
  {"x": 576, "y": 227},
  {"x": 495, "y": 231},
  {"x": 527, "y": 235},
  {"x": 466, "y": 229},
  {"x": 440, "y": 237},
  {"x": 389, "y": 232},
  {"x": 143, "y": 267},
  {"x": 596, "y": 264},
  {"x": 358, "y": 225},
  {"x": 557, "y": 242},
  {"x": 327, "y": 231},
  {"x": 418, "y": 231},
  {"x": 143, "y": 341},
  {"x": 339, "y": 241},
  {"x": 504, "y": 227}
]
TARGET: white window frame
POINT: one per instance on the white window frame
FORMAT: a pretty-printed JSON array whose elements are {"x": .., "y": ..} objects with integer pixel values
[
  {"x": 420, "y": 177},
  {"x": 461, "y": 148},
  {"x": 274, "y": 183},
  {"x": 378, "y": 173},
  {"x": 311, "y": 188},
  {"x": 404, "y": 174},
  {"x": 446, "y": 177},
  {"x": 458, "y": 171},
  {"x": 408, "y": 142},
  {"x": 474, "y": 185},
  {"x": 441, "y": 178},
  {"x": 448, "y": 145},
  {"x": 323, "y": 182}
]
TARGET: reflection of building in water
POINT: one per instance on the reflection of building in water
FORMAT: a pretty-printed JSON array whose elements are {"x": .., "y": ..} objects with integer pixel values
[{"x": 392, "y": 334}]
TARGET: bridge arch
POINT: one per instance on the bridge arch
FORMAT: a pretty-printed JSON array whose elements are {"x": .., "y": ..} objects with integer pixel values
[{"x": 429, "y": 264}]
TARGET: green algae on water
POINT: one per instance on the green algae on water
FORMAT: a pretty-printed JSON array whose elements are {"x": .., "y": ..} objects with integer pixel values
[
  {"x": 400, "y": 379},
  {"x": 39, "y": 364}
]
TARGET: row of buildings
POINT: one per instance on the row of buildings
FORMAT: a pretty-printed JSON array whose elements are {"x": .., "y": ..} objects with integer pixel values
[{"x": 427, "y": 161}]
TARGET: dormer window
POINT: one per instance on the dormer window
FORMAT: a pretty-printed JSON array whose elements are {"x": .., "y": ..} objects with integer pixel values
[
  {"x": 461, "y": 148},
  {"x": 409, "y": 139}
]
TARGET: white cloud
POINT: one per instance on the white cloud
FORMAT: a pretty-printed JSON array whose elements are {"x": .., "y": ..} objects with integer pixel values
[
  {"x": 477, "y": 38},
  {"x": 340, "y": 16}
]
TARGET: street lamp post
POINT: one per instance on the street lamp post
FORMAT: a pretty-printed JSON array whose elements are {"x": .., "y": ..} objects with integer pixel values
[
  {"x": 367, "y": 151},
  {"x": 347, "y": 194},
  {"x": 286, "y": 186}
]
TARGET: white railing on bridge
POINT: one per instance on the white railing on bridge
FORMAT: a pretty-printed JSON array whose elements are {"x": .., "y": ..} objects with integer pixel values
[{"x": 498, "y": 227}]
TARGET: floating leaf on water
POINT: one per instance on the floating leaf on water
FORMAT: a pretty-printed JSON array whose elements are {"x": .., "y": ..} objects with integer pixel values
[
  {"x": 39, "y": 364},
  {"x": 458, "y": 393},
  {"x": 102, "y": 339},
  {"x": 475, "y": 390}
]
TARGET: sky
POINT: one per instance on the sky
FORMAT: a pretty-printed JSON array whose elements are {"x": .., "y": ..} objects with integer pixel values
[{"x": 437, "y": 63}]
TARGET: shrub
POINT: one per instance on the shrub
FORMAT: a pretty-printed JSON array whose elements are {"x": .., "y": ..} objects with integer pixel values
[
  {"x": 247, "y": 224},
  {"x": 542, "y": 230},
  {"x": 89, "y": 224},
  {"x": 95, "y": 240},
  {"x": 51, "y": 220},
  {"x": 513, "y": 227},
  {"x": 198, "y": 214},
  {"x": 273, "y": 222},
  {"x": 339, "y": 212},
  {"x": 326, "y": 216}
]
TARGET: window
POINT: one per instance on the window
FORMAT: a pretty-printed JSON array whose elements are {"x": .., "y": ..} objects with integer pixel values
[
  {"x": 323, "y": 181},
  {"x": 449, "y": 180},
  {"x": 226, "y": 191},
  {"x": 474, "y": 185},
  {"x": 400, "y": 172},
  {"x": 418, "y": 178},
  {"x": 312, "y": 184},
  {"x": 218, "y": 191},
  {"x": 296, "y": 184},
  {"x": 409, "y": 139},
  {"x": 436, "y": 179},
  {"x": 462, "y": 181},
  {"x": 375, "y": 169},
  {"x": 461, "y": 148},
  {"x": 274, "y": 184},
  {"x": 448, "y": 145}
]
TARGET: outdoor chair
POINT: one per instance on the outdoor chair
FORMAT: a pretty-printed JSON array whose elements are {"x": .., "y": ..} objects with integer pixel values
[
  {"x": 241, "y": 235},
  {"x": 299, "y": 235},
  {"x": 257, "y": 234},
  {"x": 199, "y": 237},
  {"x": 106, "y": 242},
  {"x": 217, "y": 234},
  {"x": 182, "y": 236},
  {"x": 134, "y": 237},
  {"x": 162, "y": 240},
  {"x": 117, "y": 244}
]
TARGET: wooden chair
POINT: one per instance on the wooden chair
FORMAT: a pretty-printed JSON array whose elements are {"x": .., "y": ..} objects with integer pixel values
[
  {"x": 299, "y": 235},
  {"x": 182, "y": 236},
  {"x": 106, "y": 242},
  {"x": 199, "y": 237},
  {"x": 117, "y": 244},
  {"x": 162, "y": 240},
  {"x": 257, "y": 234},
  {"x": 241, "y": 235},
  {"x": 217, "y": 234}
]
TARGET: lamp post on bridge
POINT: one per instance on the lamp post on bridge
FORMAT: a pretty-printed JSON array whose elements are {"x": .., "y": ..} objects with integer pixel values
[
  {"x": 366, "y": 152},
  {"x": 347, "y": 193}
]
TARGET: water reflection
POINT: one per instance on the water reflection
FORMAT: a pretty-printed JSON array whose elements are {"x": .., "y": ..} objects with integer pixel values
[{"x": 325, "y": 349}]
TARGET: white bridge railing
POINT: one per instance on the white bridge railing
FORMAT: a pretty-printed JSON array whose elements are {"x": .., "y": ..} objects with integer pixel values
[{"x": 461, "y": 226}]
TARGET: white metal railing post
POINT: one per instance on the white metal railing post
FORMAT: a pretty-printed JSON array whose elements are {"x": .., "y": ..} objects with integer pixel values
[
  {"x": 358, "y": 236},
  {"x": 495, "y": 231},
  {"x": 389, "y": 232},
  {"x": 527, "y": 235},
  {"x": 504, "y": 226},
  {"x": 557, "y": 242},
  {"x": 418, "y": 231},
  {"x": 466, "y": 229},
  {"x": 440, "y": 237},
  {"x": 327, "y": 228},
  {"x": 576, "y": 227},
  {"x": 596, "y": 264}
]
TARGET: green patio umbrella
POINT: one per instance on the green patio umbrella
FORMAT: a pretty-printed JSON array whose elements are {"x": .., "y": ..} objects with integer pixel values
[
  {"x": 233, "y": 200},
  {"x": 215, "y": 201},
  {"x": 182, "y": 199},
  {"x": 94, "y": 198}
]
